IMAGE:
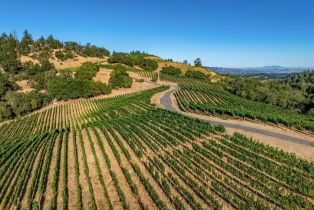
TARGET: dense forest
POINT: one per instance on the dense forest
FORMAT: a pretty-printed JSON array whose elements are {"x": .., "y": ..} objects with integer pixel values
[{"x": 294, "y": 91}]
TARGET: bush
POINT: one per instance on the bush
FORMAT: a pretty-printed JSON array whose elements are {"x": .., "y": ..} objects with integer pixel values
[
  {"x": 93, "y": 51},
  {"x": 64, "y": 55},
  {"x": 65, "y": 89},
  {"x": 120, "y": 78},
  {"x": 171, "y": 70},
  {"x": 23, "y": 103},
  {"x": 196, "y": 74},
  {"x": 134, "y": 59},
  {"x": 220, "y": 128},
  {"x": 33, "y": 69},
  {"x": 87, "y": 71}
]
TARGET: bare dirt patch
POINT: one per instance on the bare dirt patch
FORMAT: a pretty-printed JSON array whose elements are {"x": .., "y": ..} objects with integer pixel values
[
  {"x": 24, "y": 86},
  {"x": 103, "y": 76}
]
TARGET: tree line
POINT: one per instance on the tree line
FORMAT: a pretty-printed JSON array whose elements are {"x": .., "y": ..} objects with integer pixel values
[{"x": 295, "y": 91}]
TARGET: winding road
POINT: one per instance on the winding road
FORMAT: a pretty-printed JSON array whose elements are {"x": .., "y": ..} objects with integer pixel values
[{"x": 284, "y": 138}]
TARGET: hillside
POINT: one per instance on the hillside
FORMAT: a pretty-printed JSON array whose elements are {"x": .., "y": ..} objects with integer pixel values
[
  {"x": 90, "y": 129},
  {"x": 69, "y": 63},
  {"x": 123, "y": 152},
  {"x": 184, "y": 67}
]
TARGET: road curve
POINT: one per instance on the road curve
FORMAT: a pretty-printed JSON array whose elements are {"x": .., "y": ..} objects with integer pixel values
[{"x": 167, "y": 101}]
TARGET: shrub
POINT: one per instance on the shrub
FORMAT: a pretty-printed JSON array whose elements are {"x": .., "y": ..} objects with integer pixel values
[
  {"x": 220, "y": 128},
  {"x": 64, "y": 89},
  {"x": 120, "y": 78},
  {"x": 171, "y": 70},
  {"x": 87, "y": 71},
  {"x": 196, "y": 74},
  {"x": 134, "y": 59}
]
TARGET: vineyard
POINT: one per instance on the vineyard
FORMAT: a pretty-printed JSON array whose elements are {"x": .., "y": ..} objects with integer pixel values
[
  {"x": 210, "y": 98},
  {"x": 124, "y": 153}
]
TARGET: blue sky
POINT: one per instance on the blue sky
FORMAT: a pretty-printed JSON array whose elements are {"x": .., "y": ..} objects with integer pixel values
[{"x": 229, "y": 33}]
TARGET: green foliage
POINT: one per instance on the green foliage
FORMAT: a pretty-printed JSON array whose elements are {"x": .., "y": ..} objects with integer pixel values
[
  {"x": 8, "y": 54},
  {"x": 39, "y": 80},
  {"x": 196, "y": 74},
  {"x": 171, "y": 70},
  {"x": 197, "y": 62},
  {"x": 275, "y": 92},
  {"x": 133, "y": 59},
  {"x": 5, "y": 85},
  {"x": 64, "y": 55},
  {"x": 25, "y": 43},
  {"x": 33, "y": 69},
  {"x": 93, "y": 51},
  {"x": 206, "y": 97},
  {"x": 53, "y": 43},
  {"x": 87, "y": 71},
  {"x": 65, "y": 89},
  {"x": 220, "y": 128},
  {"x": 23, "y": 103},
  {"x": 120, "y": 78}
]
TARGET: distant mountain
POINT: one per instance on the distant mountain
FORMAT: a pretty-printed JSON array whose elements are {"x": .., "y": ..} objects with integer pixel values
[{"x": 264, "y": 70}]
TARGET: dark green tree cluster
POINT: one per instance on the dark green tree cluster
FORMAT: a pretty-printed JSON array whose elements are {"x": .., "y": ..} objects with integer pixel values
[
  {"x": 65, "y": 89},
  {"x": 292, "y": 92},
  {"x": 31, "y": 69},
  {"x": 64, "y": 55},
  {"x": 198, "y": 62},
  {"x": 87, "y": 71},
  {"x": 6, "y": 85},
  {"x": 196, "y": 75},
  {"x": 9, "y": 61},
  {"x": 171, "y": 70},
  {"x": 17, "y": 104},
  {"x": 120, "y": 78},
  {"x": 92, "y": 51},
  {"x": 133, "y": 59},
  {"x": 26, "y": 43},
  {"x": 14, "y": 104}
]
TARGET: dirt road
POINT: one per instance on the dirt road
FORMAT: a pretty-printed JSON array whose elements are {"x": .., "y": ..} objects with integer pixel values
[{"x": 289, "y": 140}]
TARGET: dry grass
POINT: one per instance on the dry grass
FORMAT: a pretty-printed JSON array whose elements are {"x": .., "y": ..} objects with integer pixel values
[
  {"x": 70, "y": 63},
  {"x": 184, "y": 67}
]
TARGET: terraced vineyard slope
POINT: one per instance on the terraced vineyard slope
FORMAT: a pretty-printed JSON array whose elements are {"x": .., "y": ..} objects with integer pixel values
[
  {"x": 210, "y": 98},
  {"x": 124, "y": 153}
]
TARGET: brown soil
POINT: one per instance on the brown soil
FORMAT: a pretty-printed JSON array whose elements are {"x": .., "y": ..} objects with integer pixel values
[
  {"x": 113, "y": 194},
  {"x": 130, "y": 199},
  {"x": 148, "y": 176},
  {"x": 93, "y": 173},
  {"x": 49, "y": 192},
  {"x": 82, "y": 178},
  {"x": 103, "y": 76},
  {"x": 61, "y": 172},
  {"x": 24, "y": 86},
  {"x": 144, "y": 196},
  {"x": 71, "y": 174}
]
